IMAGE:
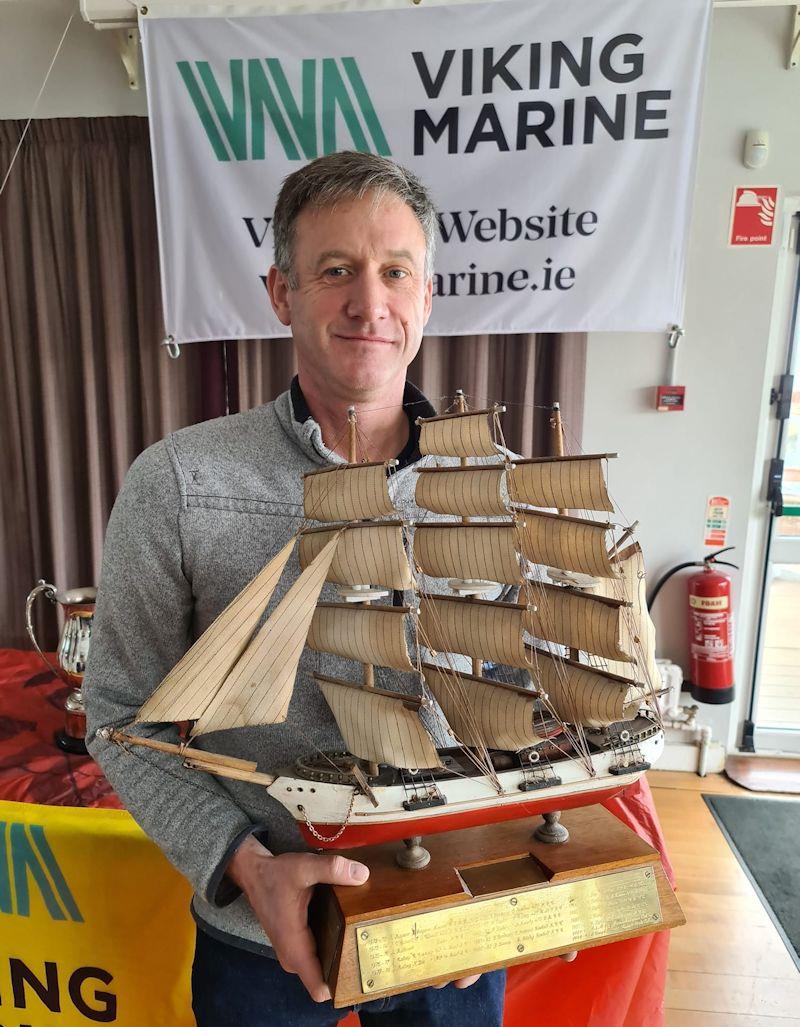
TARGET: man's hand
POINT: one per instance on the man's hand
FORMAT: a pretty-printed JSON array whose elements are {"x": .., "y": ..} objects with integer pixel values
[
  {"x": 279, "y": 889},
  {"x": 466, "y": 982},
  {"x": 462, "y": 982}
]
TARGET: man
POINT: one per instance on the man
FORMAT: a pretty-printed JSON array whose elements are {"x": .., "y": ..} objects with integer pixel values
[{"x": 198, "y": 515}]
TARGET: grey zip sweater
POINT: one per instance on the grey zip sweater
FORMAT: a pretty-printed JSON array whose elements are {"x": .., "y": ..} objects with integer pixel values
[{"x": 198, "y": 516}]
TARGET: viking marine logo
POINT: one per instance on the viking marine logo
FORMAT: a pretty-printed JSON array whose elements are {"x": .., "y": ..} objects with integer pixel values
[
  {"x": 236, "y": 116},
  {"x": 27, "y": 861}
]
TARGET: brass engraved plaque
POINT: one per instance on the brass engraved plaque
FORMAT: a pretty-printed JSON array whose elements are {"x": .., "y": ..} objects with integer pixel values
[{"x": 446, "y": 941}]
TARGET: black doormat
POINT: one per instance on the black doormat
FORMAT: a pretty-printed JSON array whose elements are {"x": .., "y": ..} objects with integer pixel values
[{"x": 765, "y": 835}]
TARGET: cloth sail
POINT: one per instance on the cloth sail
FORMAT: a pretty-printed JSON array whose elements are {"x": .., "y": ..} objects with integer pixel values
[
  {"x": 482, "y": 630},
  {"x": 462, "y": 491},
  {"x": 483, "y": 551},
  {"x": 567, "y": 483},
  {"x": 380, "y": 726},
  {"x": 463, "y": 435},
  {"x": 584, "y": 695},
  {"x": 197, "y": 677},
  {"x": 482, "y": 712},
  {"x": 259, "y": 688},
  {"x": 367, "y": 554},
  {"x": 579, "y": 620},
  {"x": 638, "y": 630},
  {"x": 569, "y": 543},
  {"x": 375, "y": 634},
  {"x": 356, "y": 492}
]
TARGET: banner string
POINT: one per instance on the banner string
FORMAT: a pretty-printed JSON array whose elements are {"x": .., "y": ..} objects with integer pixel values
[{"x": 36, "y": 104}]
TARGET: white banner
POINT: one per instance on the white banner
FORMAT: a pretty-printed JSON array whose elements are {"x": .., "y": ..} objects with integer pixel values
[{"x": 558, "y": 140}]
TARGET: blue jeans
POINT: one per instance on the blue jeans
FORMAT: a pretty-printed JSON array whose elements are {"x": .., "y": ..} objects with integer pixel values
[{"x": 235, "y": 988}]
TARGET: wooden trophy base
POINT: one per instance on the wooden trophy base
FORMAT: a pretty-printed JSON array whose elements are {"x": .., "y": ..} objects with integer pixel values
[{"x": 489, "y": 897}]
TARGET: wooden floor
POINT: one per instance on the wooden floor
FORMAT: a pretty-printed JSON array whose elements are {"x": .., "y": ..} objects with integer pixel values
[{"x": 727, "y": 966}]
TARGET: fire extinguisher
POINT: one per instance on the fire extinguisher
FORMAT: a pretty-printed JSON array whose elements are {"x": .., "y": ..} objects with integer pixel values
[{"x": 710, "y": 628}]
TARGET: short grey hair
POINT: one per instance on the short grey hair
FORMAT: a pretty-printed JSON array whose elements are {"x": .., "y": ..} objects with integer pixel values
[{"x": 343, "y": 176}]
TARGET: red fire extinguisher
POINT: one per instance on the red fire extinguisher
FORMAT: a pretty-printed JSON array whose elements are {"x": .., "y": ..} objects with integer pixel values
[
  {"x": 710, "y": 629},
  {"x": 710, "y": 635}
]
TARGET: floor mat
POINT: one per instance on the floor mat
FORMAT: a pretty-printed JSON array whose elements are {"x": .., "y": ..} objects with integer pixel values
[{"x": 765, "y": 835}]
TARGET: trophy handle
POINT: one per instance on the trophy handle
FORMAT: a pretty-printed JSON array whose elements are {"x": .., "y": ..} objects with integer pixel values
[{"x": 50, "y": 591}]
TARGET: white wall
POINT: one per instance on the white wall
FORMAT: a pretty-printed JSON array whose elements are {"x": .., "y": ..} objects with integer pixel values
[
  {"x": 672, "y": 462},
  {"x": 88, "y": 79}
]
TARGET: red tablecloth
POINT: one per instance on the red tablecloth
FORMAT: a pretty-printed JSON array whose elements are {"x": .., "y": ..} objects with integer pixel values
[
  {"x": 617, "y": 985},
  {"x": 32, "y": 767}
]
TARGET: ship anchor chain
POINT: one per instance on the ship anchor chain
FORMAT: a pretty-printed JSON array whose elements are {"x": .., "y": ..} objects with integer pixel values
[{"x": 333, "y": 837}]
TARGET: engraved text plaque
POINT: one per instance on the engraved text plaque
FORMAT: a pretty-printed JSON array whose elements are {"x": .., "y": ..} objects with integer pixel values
[{"x": 501, "y": 929}]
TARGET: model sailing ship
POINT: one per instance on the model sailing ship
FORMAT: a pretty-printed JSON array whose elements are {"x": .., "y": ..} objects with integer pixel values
[{"x": 548, "y": 701}]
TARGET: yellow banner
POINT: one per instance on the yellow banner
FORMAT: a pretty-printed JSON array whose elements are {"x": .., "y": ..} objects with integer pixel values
[{"x": 94, "y": 922}]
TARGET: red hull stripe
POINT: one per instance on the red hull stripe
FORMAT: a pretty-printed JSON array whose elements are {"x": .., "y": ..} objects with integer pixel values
[{"x": 355, "y": 834}]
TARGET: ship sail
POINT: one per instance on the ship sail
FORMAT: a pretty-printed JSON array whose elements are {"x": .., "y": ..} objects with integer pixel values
[
  {"x": 482, "y": 630},
  {"x": 564, "y": 482},
  {"x": 584, "y": 695},
  {"x": 639, "y": 633},
  {"x": 356, "y": 492},
  {"x": 367, "y": 554},
  {"x": 484, "y": 551},
  {"x": 483, "y": 712},
  {"x": 375, "y": 634},
  {"x": 380, "y": 726},
  {"x": 594, "y": 624},
  {"x": 194, "y": 681},
  {"x": 462, "y": 491},
  {"x": 259, "y": 688},
  {"x": 570, "y": 543},
  {"x": 459, "y": 434}
]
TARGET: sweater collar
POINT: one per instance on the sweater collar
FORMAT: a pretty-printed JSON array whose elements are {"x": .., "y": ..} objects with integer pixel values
[{"x": 292, "y": 407}]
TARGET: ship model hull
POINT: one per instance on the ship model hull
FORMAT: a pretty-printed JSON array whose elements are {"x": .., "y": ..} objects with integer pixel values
[
  {"x": 359, "y": 835},
  {"x": 330, "y": 816}
]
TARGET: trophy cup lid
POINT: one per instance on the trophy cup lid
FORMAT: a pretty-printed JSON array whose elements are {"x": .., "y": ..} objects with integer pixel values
[{"x": 76, "y": 596}]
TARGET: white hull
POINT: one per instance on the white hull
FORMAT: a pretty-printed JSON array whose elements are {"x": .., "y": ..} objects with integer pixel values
[{"x": 468, "y": 800}]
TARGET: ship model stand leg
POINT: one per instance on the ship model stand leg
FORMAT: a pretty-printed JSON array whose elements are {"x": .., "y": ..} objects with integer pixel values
[
  {"x": 551, "y": 832},
  {"x": 414, "y": 856}
]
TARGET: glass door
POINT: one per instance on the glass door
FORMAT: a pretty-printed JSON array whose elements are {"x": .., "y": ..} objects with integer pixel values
[{"x": 775, "y": 706}]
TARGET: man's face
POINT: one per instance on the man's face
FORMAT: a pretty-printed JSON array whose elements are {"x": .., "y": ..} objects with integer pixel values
[{"x": 361, "y": 300}]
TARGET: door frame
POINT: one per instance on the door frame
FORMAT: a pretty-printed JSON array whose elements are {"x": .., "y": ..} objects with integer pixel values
[{"x": 750, "y": 736}]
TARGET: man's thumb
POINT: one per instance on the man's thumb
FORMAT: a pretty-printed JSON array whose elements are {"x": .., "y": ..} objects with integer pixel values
[{"x": 346, "y": 871}]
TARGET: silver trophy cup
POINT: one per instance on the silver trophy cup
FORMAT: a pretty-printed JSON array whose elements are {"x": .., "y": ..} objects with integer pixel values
[{"x": 73, "y": 649}]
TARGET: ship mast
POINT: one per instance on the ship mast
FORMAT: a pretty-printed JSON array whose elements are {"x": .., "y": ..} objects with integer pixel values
[
  {"x": 461, "y": 403},
  {"x": 558, "y": 450},
  {"x": 352, "y": 458}
]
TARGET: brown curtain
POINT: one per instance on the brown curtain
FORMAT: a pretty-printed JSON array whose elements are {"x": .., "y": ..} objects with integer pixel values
[
  {"x": 526, "y": 372},
  {"x": 85, "y": 385}
]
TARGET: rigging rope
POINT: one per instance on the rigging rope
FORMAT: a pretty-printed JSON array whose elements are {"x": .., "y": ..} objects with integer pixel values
[{"x": 35, "y": 105}]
